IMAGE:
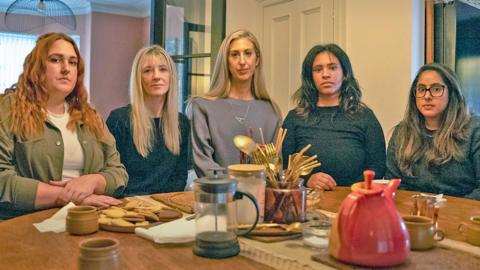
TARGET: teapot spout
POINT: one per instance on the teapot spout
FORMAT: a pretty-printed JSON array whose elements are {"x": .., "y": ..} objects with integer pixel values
[{"x": 392, "y": 185}]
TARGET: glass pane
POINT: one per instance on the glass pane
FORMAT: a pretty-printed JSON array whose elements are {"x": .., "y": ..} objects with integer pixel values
[
  {"x": 193, "y": 78},
  {"x": 199, "y": 75},
  {"x": 468, "y": 52},
  {"x": 188, "y": 27}
]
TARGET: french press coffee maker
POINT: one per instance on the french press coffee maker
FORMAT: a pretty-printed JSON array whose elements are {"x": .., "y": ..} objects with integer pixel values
[{"x": 216, "y": 216}]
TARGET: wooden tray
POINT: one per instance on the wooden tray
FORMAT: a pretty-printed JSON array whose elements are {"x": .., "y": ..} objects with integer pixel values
[
  {"x": 182, "y": 201},
  {"x": 273, "y": 239},
  {"x": 114, "y": 228},
  {"x": 280, "y": 230}
]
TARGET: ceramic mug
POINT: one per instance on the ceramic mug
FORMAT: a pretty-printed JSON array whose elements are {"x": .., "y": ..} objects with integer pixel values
[
  {"x": 99, "y": 254},
  {"x": 423, "y": 233},
  {"x": 471, "y": 230},
  {"x": 82, "y": 220}
]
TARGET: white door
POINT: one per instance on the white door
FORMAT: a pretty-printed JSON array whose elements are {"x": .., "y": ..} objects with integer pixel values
[{"x": 290, "y": 29}]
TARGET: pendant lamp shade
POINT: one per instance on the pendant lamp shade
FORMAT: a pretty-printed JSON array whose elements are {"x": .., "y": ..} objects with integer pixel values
[{"x": 26, "y": 15}]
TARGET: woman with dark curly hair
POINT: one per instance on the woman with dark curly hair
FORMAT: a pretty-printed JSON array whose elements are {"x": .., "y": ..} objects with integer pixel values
[
  {"x": 54, "y": 147},
  {"x": 436, "y": 147},
  {"x": 344, "y": 133}
]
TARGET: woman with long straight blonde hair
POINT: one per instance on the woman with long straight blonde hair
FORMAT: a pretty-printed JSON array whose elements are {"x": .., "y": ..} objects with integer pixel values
[
  {"x": 54, "y": 147},
  {"x": 436, "y": 147},
  {"x": 237, "y": 103},
  {"x": 152, "y": 136}
]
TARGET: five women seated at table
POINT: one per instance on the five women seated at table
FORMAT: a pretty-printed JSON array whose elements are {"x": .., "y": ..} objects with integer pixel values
[{"x": 55, "y": 149}]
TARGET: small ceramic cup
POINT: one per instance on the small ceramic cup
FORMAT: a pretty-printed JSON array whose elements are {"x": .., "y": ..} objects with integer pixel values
[
  {"x": 471, "y": 230},
  {"x": 423, "y": 233},
  {"x": 99, "y": 254},
  {"x": 82, "y": 220}
]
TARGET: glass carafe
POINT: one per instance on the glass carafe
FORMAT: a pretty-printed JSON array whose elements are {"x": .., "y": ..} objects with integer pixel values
[{"x": 216, "y": 216}]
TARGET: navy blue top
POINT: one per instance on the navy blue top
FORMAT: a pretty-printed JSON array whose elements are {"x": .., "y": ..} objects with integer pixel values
[{"x": 161, "y": 171}]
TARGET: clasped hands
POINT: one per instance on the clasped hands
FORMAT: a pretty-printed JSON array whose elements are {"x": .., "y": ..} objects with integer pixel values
[
  {"x": 84, "y": 190},
  {"x": 321, "y": 181}
]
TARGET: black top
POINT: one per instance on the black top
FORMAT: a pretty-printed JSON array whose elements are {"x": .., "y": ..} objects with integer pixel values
[
  {"x": 459, "y": 178},
  {"x": 160, "y": 171},
  {"x": 345, "y": 147}
]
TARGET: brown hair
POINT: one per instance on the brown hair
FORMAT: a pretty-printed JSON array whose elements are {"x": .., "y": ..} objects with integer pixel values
[
  {"x": 28, "y": 108},
  {"x": 453, "y": 129}
]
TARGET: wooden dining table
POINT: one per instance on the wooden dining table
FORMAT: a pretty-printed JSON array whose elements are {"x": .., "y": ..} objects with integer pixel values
[
  {"x": 22, "y": 246},
  {"x": 453, "y": 212}
]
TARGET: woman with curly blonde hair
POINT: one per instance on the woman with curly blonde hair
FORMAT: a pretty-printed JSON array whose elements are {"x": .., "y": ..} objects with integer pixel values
[{"x": 54, "y": 147}]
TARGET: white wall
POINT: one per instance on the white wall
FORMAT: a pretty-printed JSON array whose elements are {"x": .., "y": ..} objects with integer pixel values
[
  {"x": 245, "y": 14},
  {"x": 384, "y": 39}
]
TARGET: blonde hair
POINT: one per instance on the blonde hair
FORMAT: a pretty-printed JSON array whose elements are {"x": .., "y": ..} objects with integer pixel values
[
  {"x": 29, "y": 105},
  {"x": 142, "y": 123},
  {"x": 221, "y": 78}
]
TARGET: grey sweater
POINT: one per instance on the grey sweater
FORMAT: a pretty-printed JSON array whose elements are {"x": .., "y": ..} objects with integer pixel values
[
  {"x": 216, "y": 122},
  {"x": 459, "y": 178}
]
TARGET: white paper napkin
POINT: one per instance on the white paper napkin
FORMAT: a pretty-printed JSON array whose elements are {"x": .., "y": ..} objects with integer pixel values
[
  {"x": 55, "y": 223},
  {"x": 177, "y": 231}
]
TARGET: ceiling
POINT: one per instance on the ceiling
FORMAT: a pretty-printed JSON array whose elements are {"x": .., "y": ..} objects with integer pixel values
[
  {"x": 136, "y": 8},
  {"x": 139, "y": 8}
]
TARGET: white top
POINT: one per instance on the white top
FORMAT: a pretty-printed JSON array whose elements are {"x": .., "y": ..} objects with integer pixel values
[{"x": 73, "y": 162}]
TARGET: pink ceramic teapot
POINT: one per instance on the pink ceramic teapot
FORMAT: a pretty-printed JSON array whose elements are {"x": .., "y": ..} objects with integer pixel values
[{"x": 368, "y": 229}]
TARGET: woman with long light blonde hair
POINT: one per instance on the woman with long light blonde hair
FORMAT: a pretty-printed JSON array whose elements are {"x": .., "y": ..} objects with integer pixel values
[
  {"x": 54, "y": 147},
  {"x": 152, "y": 136},
  {"x": 237, "y": 103}
]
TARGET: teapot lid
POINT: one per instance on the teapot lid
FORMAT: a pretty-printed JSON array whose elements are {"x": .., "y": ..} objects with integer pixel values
[{"x": 215, "y": 182}]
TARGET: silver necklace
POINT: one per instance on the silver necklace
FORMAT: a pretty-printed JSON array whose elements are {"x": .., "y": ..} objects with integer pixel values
[{"x": 240, "y": 119}]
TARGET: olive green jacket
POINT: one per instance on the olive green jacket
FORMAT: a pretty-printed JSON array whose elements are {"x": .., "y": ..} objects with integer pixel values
[{"x": 24, "y": 163}]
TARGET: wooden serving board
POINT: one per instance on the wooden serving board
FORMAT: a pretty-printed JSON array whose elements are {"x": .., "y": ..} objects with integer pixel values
[
  {"x": 113, "y": 228},
  {"x": 273, "y": 239},
  {"x": 273, "y": 234},
  {"x": 182, "y": 201}
]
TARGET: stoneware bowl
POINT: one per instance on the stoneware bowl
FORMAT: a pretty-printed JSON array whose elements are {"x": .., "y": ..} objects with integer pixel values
[
  {"x": 82, "y": 220},
  {"x": 99, "y": 254}
]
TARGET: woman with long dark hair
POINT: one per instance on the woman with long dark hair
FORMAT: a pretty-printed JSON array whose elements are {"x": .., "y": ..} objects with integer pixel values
[
  {"x": 436, "y": 147},
  {"x": 344, "y": 133}
]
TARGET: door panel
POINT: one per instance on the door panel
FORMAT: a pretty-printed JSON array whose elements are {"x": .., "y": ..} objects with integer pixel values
[{"x": 290, "y": 29}]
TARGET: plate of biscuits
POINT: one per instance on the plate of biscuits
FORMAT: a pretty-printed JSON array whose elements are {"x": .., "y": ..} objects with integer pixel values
[{"x": 135, "y": 213}]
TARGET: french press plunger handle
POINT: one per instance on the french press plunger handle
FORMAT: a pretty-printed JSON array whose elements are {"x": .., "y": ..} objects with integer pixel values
[{"x": 239, "y": 195}]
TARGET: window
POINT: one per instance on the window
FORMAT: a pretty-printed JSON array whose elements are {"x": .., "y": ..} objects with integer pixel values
[
  {"x": 455, "y": 43},
  {"x": 13, "y": 50},
  {"x": 191, "y": 33}
]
